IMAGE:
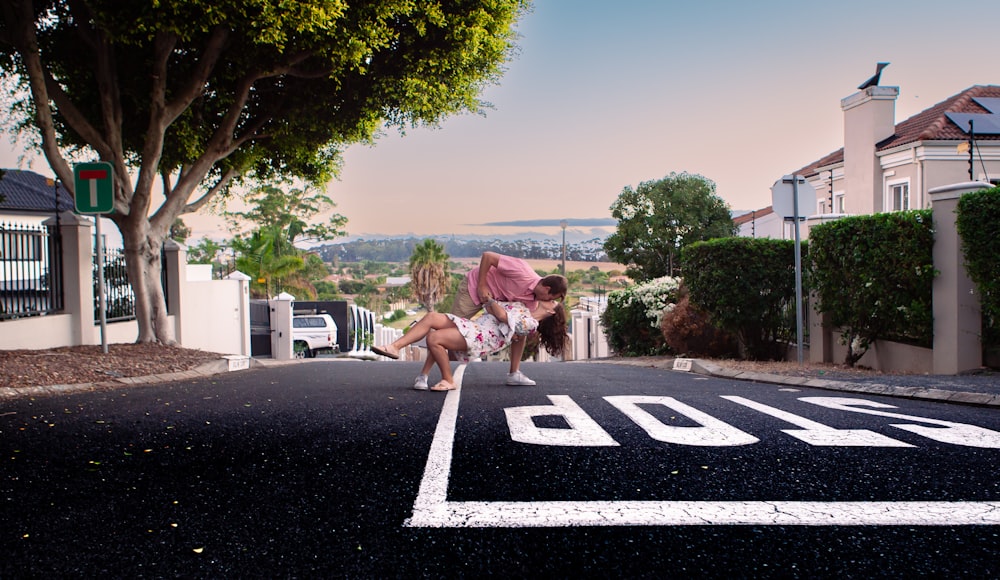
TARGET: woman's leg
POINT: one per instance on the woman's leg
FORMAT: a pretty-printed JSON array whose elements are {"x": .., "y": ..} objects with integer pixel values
[
  {"x": 430, "y": 321},
  {"x": 438, "y": 345}
]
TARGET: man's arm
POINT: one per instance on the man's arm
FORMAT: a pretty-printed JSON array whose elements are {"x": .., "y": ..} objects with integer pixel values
[{"x": 487, "y": 261}]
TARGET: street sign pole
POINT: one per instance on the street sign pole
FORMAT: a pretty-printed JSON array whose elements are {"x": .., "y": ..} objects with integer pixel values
[
  {"x": 794, "y": 186},
  {"x": 94, "y": 194},
  {"x": 101, "y": 300},
  {"x": 798, "y": 268}
]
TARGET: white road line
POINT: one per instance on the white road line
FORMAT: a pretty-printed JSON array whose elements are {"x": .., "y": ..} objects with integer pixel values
[
  {"x": 434, "y": 485},
  {"x": 432, "y": 508}
]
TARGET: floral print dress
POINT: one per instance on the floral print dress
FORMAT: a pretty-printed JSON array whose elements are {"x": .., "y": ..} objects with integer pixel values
[{"x": 487, "y": 335}]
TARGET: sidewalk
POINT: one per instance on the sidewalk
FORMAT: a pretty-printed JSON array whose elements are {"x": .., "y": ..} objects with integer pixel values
[{"x": 972, "y": 389}]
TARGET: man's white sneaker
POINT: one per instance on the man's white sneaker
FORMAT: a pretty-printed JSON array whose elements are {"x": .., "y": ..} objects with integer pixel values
[
  {"x": 420, "y": 383},
  {"x": 517, "y": 379}
]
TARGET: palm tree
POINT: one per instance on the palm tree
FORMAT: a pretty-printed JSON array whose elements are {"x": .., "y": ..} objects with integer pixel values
[{"x": 429, "y": 273}]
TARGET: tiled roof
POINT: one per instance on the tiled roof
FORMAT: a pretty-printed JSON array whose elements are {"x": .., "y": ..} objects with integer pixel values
[
  {"x": 29, "y": 192},
  {"x": 929, "y": 125},
  {"x": 932, "y": 124},
  {"x": 752, "y": 215}
]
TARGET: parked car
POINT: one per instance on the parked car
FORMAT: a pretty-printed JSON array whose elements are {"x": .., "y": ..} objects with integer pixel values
[{"x": 313, "y": 333}]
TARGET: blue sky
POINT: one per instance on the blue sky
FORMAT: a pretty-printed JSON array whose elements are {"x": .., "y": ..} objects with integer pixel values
[{"x": 608, "y": 94}]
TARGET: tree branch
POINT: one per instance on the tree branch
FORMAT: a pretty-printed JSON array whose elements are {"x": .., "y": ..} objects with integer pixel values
[
  {"x": 20, "y": 20},
  {"x": 219, "y": 186}
]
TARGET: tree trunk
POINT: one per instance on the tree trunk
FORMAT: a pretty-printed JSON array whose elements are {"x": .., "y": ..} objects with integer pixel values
[{"x": 142, "y": 260}]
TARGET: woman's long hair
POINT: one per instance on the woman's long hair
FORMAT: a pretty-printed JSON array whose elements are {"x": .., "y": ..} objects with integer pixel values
[{"x": 552, "y": 331}]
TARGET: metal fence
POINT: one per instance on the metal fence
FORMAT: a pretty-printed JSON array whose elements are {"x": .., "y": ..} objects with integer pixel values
[
  {"x": 119, "y": 298},
  {"x": 30, "y": 271},
  {"x": 31, "y": 275}
]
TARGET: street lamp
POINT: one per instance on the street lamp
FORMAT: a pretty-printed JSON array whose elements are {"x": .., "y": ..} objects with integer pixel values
[{"x": 563, "y": 224}]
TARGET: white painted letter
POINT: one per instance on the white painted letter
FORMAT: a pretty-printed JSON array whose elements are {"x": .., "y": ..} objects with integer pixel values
[
  {"x": 819, "y": 434},
  {"x": 712, "y": 433},
  {"x": 954, "y": 433},
  {"x": 583, "y": 431}
]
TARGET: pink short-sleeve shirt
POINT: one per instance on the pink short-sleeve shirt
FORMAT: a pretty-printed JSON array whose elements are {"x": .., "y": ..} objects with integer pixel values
[{"x": 511, "y": 280}]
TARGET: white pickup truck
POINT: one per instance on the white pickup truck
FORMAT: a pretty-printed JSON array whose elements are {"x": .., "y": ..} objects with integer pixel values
[{"x": 312, "y": 333}]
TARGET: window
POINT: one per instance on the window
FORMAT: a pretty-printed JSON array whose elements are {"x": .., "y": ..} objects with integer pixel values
[
  {"x": 838, "y": 202},
  {"x": 900, "y": 196}
]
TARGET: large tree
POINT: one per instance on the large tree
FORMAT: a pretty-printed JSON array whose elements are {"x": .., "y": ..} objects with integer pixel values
[
  {"x": 200, "y": 95},
  {"x": 658, "y": 218}
]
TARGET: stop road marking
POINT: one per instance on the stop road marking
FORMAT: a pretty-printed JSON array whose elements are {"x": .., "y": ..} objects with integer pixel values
[{"x": 432, "y": 508}]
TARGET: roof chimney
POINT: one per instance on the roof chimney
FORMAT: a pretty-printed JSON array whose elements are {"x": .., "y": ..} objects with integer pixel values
[{"x": 869, "y": 117}]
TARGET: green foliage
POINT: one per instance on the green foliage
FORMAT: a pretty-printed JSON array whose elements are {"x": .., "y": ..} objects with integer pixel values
[
  {"x": 326, "y": 290},
  {"x": 307, "y": 76},
  {"x": 874, "y": 277},
  {"x": 429, "y": 273},
  {"x": 291, "y": 212},
  {"x": 979, "y": 228},
  {"x": 747, "y": 287},
  {"x": 394, "y": 316},
  {"x": 206, "y": 251},
  {"x": 659, "y": 218},
  {"x": 179, "y": 231},
  {"x": 267, "y": 257},
  {"x": 632, "y": 318},
  {"x": 351, "y": 286}
]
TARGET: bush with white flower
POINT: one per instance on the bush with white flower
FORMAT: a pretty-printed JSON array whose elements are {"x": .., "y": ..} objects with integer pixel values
[{"x": 632, "y": 318}]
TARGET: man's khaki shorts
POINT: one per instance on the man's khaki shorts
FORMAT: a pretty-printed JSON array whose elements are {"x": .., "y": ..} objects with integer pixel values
[{"x": 464, "y": 306}]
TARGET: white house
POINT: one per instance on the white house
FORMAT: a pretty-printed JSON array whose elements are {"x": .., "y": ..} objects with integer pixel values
[{"x": 888, "y": 166}]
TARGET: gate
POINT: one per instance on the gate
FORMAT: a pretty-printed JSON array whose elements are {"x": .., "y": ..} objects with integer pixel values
[{"x": 260, "y": 328}]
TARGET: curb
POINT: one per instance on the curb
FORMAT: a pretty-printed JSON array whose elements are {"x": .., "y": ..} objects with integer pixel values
[{"x": 702, "y": 367}]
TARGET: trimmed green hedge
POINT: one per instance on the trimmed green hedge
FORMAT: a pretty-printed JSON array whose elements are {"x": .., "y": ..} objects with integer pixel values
[
  {"x": 747, "y": 286},
  {"x": 874, "y": 276},
  {"x": 979, "y": 228}
]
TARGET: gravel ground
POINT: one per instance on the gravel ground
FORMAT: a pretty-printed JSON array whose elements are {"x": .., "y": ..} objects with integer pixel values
[{"x": 88, "y": 364}]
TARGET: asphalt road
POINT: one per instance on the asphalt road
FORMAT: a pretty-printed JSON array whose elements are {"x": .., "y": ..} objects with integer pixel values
[{"x": 332, "y": 469}]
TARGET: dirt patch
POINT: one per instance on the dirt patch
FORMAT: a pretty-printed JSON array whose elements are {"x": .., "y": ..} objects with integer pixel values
[{"x": 88, "y": 364}]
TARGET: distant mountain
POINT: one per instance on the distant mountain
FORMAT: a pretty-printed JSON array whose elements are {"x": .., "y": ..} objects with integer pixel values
[
  {"x": 400, "y": 249},
  {"x": 575, "y": 235}
]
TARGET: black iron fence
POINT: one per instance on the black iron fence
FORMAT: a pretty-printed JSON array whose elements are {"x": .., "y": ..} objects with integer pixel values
[
  {"x": 30, "y": 271},
  {"x": 31, "y": 275},
  {"x": 119, "y": 299}
]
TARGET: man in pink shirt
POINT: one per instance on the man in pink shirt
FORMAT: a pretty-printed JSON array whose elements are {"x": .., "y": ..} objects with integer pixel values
[{"x": 507, "y": 279}]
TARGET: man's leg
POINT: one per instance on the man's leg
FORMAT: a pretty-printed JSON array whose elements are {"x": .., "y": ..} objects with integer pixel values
[{"x": 516, "y": 377}]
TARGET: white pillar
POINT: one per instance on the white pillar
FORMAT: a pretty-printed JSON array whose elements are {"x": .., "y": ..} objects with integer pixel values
[
  {"x": 957, "y": 315},
  {"x": 281, "y": 326}
]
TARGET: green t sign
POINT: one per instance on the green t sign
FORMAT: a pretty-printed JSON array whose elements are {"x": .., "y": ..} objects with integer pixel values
[{"x": 95, "y": 192}]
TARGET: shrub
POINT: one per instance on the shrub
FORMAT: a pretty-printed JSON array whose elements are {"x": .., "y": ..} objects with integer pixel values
[
  {"x": 874, "y": 277},
  {"x": 747, "y": 287},
  {"x": 688, "y": 330},
  {"x": 633, "y": 315},
  {"x": 979, "y": 227}
]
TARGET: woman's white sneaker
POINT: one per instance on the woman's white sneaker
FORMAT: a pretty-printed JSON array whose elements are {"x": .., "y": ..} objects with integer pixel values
[{"x": 420, "y": 383}]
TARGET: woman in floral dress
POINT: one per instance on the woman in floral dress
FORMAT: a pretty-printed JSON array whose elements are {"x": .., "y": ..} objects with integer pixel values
[{"x": 487, "y": 334}]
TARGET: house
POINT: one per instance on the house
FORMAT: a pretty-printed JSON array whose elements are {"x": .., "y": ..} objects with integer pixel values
[
  {"x": 27, "y": 198},
  {"x": 760, "y": 223},
  {"x": 884, "y": 166}
]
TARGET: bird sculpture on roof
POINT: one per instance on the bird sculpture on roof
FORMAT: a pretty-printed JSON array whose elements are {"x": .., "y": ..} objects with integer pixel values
[{"x": 873, "y": 82}]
